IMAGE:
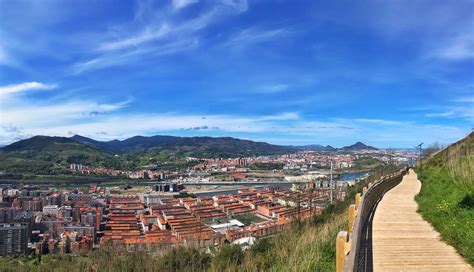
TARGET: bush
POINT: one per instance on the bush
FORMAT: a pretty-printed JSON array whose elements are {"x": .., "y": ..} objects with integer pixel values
[{"x": 228, "y": 256}]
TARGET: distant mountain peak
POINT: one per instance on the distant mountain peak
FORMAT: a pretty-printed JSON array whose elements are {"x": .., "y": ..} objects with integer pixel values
[{"x": 359, "y": 146}]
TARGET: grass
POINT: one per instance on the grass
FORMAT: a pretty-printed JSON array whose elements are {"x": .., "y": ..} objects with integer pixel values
[
  {"x": 247, "y": 219},
  {"x": 446, "y": 198},
  {"x": 365, "y": 163},
  {"x": 310, "y": 247}
]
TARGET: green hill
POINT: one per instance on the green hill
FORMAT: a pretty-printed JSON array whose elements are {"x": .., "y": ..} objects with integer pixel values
[
  {"x": 447, "y": 194},
  {"x": 358, "y": 146},
  {"x": 202, "y": 147},
  {"x": 43, "y": 155}
]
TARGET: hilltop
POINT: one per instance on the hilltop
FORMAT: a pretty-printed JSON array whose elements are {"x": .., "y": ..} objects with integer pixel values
[
  {"x": 46, "y": 155},
  {"x": 47, "y": 144},
  {"x": 317, "y": 147},
  {"x": 358, "y": 146}
]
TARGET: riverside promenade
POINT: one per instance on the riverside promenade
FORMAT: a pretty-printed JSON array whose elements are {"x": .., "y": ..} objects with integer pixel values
[{"x": 403, "y": 241}]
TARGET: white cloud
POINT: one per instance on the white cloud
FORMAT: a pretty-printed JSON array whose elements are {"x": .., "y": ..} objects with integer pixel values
[
  {"x": 448, "y": 114},
  {"x": 121, "y": 58},
  {"x": 4, "y": 59},
  {"x": 125, "y": 125},
  {"x": 454, "y": 112},
  {"x": 108, "y": 121},
  {"x": 459, "y": 48},
  {"x": 467, "y": 99},
  {"x": 273, "y": 88},
  {"x": 155, "y": 33},
  {"x": 75, "y": 116},
  {"x": 255, "y": 35},
  {"x": 179, "y": 4},
  {"x": 280, "y": 117},
  {"x": 38, "y": 115},
  {"x": 239, "y": 5},
  {"x": 149, "y": 34},
  {"x": 378, "y": 121},
  {"x": 26, "y": 86}
]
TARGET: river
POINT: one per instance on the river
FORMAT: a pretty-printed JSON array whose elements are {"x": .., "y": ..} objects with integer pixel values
[{"x": 346, "y": 176}]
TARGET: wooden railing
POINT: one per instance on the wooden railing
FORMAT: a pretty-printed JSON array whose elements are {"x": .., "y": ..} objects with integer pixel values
[{"x": 354, "y": 246}]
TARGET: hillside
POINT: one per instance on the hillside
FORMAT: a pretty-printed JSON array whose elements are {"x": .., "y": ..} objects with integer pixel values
[
  {"x": 136, "y": 143},
  {"x": 189, "y": 146},
  {"x": 44, "y": 155},
  {"x": 446, "y": 199}
]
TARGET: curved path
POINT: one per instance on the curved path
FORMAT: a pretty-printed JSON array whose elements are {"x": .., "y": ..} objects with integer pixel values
[{"x": 403, "y": 241}]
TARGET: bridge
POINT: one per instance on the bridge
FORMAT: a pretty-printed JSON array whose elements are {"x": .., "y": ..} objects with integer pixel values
[{"x": 385, "y": 232}]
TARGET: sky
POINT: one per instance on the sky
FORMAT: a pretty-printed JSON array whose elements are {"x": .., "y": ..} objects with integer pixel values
[{"x": 389, "y": 73}]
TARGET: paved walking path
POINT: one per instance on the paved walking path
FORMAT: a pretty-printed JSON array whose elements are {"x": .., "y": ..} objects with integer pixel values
[{"x": 403, "y": 241}]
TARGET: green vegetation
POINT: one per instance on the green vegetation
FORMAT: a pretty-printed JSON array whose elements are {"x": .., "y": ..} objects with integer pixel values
[
  {"x": 51, "y": 156},
  {"x": 447, "y": 195},
  {"x": 304, "y": 246},
  {"x": 247, "y": 219},
  {"x": 267, "y": 166},
  {"x": 108, "y": 259},
  {"x": 366, "y": 163}
]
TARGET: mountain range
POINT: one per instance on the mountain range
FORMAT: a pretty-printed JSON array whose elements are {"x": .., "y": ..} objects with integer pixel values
[
  {"x": 193, "y": 146},
  {"x": 210, "y": 146},
  {"x": 51, "y": 155}
]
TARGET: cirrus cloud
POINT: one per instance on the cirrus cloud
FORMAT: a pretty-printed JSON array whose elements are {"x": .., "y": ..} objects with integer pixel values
[{"x": 26, "y": 86}]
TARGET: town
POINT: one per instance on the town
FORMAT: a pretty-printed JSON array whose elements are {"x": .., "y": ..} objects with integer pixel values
[{"x": 214, "y": 201}]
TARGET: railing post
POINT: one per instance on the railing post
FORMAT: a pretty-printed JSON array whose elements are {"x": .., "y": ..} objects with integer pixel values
[
  {"x": 364, "y": 190},
  {"x": 352, "y": 215},
  {"x": 341, "y": 250},
  {"x": 357, "y": 201}
]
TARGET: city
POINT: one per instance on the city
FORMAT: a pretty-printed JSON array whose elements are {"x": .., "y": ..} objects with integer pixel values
[
  {"x": 187, "y": 208},
  {"x": 236, "y": 135}
]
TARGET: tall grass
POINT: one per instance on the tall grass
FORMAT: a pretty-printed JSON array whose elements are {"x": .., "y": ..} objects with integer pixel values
[
  {"x": 457, "y": 159},
  {"x": 446, "y": 198},
  {"x": 303, "y": 247}
]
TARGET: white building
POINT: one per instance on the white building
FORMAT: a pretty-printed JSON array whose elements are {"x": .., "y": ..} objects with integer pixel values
[{"x": 51, "y": 210}]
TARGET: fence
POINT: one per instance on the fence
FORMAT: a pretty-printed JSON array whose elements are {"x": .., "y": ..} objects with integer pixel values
[{"x": 354, "y": 246}]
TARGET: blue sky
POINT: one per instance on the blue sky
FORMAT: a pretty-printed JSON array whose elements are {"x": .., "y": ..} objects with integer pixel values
[{"x": 388, "y": 73}]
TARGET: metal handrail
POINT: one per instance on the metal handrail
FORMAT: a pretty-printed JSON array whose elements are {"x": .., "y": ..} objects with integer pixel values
[{"x": 353, "y": 248}]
